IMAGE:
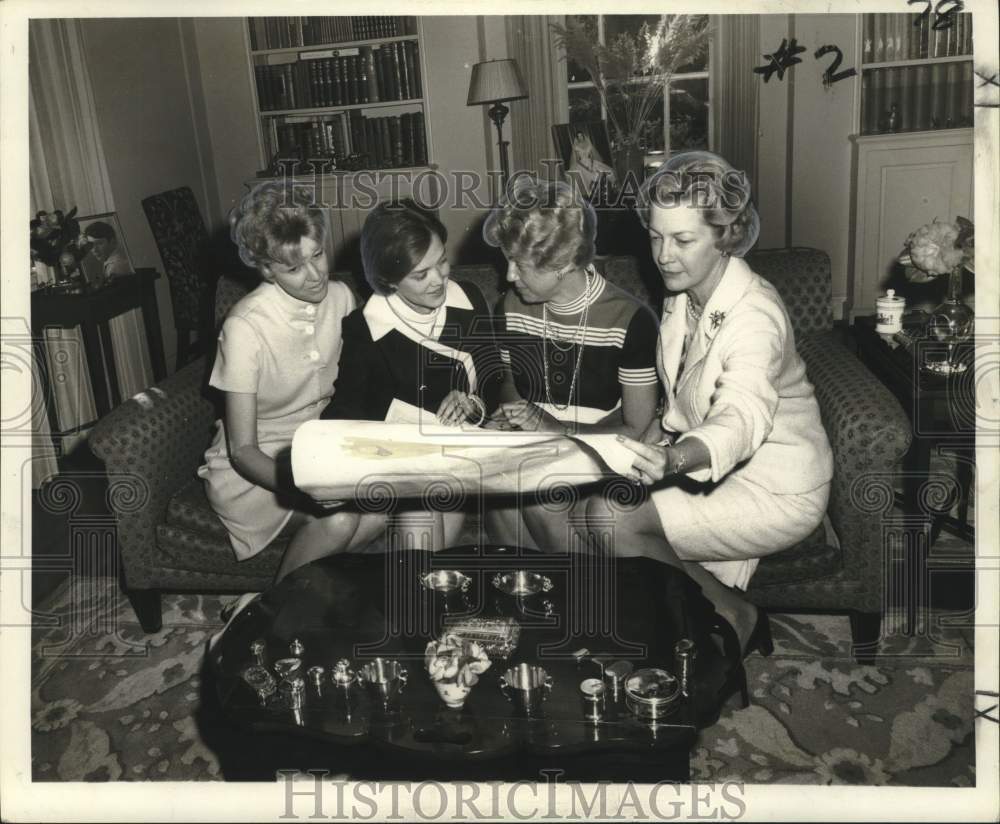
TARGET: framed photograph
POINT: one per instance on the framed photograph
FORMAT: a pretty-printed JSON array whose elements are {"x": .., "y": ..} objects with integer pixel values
[
  {"x": 107, "y": 255},
  {"x": 585, "y": 153}
]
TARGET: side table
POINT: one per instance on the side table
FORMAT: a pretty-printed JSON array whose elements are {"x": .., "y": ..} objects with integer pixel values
[
  {"x": 942, "y": 413},
  {"x": 91, "y": 311}
]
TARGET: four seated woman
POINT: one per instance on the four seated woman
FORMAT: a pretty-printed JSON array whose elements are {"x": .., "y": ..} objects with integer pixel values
[
  {"x": 739, "y": 465},
  {"x": 579, "y": 352}
]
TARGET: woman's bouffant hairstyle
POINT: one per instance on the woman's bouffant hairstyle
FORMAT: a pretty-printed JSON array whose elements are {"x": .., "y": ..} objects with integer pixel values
[
  {"x": 394, "y": 239},
  {"x": 270, "y": 221},
  {"x": 708, "y": 183},
  {"x": 545, "y": 223}
]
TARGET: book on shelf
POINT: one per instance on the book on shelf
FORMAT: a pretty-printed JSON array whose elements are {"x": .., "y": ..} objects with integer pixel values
[
  {"x": 420, "y": 150},
  {"x": 953, "y": 95},
  {"x": 966, "y": 93},
  {"x": 292, "y": 32},
  {"x": 867, "y": 37},
  {"x": 397, "y": 75},
  {"x": 403, "y": 70},
  {"x": 370, "y": 76},
  {"x": 921, "y": 79},
  {"x": 878, "y": 39}
]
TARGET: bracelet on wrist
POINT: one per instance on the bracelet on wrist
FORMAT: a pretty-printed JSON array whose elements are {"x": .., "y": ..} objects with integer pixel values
[
  {"x": 481, "y": 407},
  {"x": 679, "y": 463}
]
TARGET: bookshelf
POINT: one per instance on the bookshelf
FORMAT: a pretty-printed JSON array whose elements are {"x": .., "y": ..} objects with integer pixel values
[
  {"x": 914, "y": 78},
  {"x": 348, "y": 90}
]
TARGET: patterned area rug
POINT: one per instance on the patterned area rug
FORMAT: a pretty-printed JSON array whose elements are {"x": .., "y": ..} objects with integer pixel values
[{"x": 112, "y": 704}]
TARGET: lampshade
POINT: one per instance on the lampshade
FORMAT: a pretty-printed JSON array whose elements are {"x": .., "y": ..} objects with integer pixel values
[{"x": 495, "y": 80}]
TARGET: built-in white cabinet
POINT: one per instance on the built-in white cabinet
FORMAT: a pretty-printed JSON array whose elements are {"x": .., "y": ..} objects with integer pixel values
[{"x": 902, "y": 182}]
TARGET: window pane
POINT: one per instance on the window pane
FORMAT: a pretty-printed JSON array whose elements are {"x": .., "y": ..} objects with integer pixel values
[
  {"x": 616, "y": 24},
  {"x": 575, "y": 72},
  {"x": 689, "y": 114},
  {"x": 584, "y": 104}
]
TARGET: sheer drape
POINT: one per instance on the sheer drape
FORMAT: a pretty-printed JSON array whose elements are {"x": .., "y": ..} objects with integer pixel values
[
  {"x": 735, "y": 52},
  {"x": 531, "y": 43},
  {"x": 67, "y": 169}
]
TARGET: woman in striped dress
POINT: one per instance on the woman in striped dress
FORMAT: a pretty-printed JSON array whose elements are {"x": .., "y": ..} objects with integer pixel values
[{"x": 579, "y": 353}]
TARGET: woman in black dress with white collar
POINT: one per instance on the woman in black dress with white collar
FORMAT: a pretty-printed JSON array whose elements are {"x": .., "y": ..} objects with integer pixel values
[{"x": 421, "y": 350}]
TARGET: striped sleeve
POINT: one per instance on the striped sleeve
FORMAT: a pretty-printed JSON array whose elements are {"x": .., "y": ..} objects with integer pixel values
[{"x": 638, "y": 360}]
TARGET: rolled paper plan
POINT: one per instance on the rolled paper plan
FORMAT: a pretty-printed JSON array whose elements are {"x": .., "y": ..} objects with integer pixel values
[{"x": 337, "y": 459}]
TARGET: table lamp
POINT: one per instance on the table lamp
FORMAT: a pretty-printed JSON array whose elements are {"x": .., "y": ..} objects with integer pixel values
[{"x": 494, "y": 82}]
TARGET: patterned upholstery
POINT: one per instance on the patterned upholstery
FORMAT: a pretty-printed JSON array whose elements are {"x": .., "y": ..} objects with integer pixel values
[
  {"x": 170, "y": 539},
  {"x": 812, "y": 560},
  {"x": 228, "y": 290},
  {"x": 181, "y": 239},
  {"x": 802, "y": 278}
]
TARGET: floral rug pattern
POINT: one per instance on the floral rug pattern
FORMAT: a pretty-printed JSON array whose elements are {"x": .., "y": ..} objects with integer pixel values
[{"x": 110, "y": 703}]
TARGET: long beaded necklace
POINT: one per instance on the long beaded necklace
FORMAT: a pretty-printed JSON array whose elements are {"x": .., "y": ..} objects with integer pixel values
[{"x": 580, "y": 332}]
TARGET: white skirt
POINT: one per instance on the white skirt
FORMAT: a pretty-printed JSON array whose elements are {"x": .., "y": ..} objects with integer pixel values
[{"x": 728, "y": 527}]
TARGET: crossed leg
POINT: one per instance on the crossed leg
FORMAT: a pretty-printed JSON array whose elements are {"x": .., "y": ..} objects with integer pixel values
[{"x": 639, "y": 531}]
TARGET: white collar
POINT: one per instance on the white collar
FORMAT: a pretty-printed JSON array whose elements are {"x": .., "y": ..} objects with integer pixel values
[{"x": 381, "y": 318}]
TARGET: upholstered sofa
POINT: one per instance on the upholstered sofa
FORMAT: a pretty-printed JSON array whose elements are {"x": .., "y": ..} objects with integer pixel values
[{"x": 172, "y": 541}]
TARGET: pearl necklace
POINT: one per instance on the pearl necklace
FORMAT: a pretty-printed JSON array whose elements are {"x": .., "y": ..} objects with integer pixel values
[
  {"x": 581, "y": 332},
  {"x": 695, "y": 314}
]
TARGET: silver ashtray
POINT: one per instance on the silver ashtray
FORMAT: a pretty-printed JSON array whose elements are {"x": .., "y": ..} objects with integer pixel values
[
  {"x": 651, "y": 694},
  {"x": 521, "y": 583},
  {"x": 445, "y": 580}
]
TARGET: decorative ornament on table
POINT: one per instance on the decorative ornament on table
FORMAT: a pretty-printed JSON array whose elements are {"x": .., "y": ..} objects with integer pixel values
[
  {"x": 454, "y": 667},
  {"x": 941, "y": 248},
  {"x": 629, "y": 74}
]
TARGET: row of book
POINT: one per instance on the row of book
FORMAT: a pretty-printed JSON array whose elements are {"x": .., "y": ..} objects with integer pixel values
[
  {"x": 342, "y": 77},
  {"x": 888, "y": 37},
  {"x": 917, "y": 98},
  {"x": 377, "y": 142},
  {"x": 289, "y": 32}
]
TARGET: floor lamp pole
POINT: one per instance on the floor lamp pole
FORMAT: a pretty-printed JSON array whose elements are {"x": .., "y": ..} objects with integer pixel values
[{"x": 498, "y": 112}]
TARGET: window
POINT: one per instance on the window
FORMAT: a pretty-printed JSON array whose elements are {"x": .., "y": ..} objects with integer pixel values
[{"x": 680, "y": 120}]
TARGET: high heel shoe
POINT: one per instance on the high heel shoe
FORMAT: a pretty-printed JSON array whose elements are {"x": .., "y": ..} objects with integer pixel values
[
  {"x": 736, "y": 679},
  {"x": 760, "y": 639}
]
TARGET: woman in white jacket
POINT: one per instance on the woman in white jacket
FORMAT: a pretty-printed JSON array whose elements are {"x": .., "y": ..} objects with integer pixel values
[{"x": 738, "y": 465}]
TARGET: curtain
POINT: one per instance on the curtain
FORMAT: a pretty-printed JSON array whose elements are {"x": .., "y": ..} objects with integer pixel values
[
  {"x": 735, "y": 90},
  {"x": 531, "y": 43},
  {"x": 67, "y": 169}
]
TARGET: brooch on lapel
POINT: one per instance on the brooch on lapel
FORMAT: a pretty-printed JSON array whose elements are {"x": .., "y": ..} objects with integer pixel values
[{"x": 717, "y": 318}]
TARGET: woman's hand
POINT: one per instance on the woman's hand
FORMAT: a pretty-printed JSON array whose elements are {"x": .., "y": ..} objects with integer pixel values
[
  {"x": 654, "y": 434},
  {"x": 528, "y": 417},
  {"x": 652, "y": 463},
  {"x": 456, "y": 408}
]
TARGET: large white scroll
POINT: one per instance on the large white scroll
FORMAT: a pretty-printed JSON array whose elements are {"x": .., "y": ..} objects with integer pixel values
[{"x": 374, "y": 460}]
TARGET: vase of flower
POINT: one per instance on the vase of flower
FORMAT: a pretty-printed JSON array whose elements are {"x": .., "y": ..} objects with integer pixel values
[
  {"x": 454, "y": 666},
  {"x": 629, "y": 159},
  {"x": 629, "y": 72},
  {"x": 942, "y": 248}
]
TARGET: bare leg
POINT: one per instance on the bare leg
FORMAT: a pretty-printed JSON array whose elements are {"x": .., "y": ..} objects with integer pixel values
[
  {"x": 556, "y": 530},
  {"x": 505, "y": 525},
  {"x": 451, "y": 528},
  {"x": 639, "y": 531},
  {"x": 319, "y": 537}
]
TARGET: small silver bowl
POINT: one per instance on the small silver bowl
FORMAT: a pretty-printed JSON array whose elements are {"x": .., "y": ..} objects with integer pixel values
[
  {"x": 521, "y": 583},
  {"x": 445, "y": 581},
  {"x": 651, "y": 694}
]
